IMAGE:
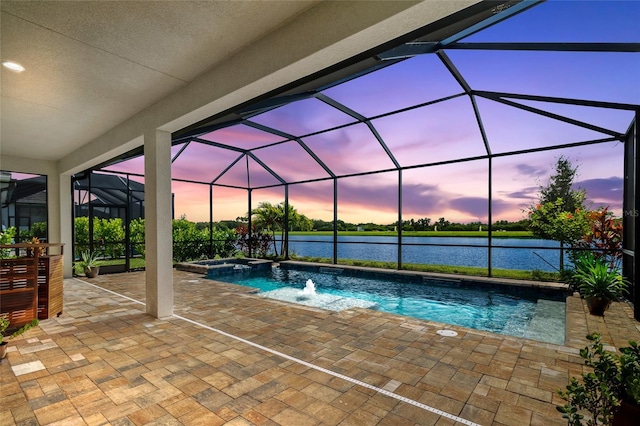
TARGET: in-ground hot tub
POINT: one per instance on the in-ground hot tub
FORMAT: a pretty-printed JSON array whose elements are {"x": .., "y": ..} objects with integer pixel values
[{"x": 216, "y": 267}]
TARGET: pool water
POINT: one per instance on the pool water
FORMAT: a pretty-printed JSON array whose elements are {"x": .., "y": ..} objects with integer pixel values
[{"x": 486, "y": 309}]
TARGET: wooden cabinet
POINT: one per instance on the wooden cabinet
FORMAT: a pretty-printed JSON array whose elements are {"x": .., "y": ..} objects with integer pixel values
[
  {"x": 31, "y": 285},
  {"x": 19, "y": 289},
  {"x": 50, "y": 279}
]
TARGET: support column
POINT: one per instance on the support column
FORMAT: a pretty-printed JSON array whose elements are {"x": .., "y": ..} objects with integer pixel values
[
  {"x": 65, "y": 214},
  {"x": 158, "y": 229},
  {"x": 631, "y": 216},
  {"x": 399, "y": 219},
  {"x": 54, "y": 214},
  {"x": 635, "y": 290}
]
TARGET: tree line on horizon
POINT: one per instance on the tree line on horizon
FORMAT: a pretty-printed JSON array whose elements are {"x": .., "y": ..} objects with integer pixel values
[{"x": 299, "y": 222}]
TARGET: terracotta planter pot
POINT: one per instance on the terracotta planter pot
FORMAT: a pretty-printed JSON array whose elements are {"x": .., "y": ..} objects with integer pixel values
[
  {"x": 3, "y": 349},
  {"x": 627, "y": 415},
  {"x": 597, "y": 305},
  {"x": 92, "y": 272}
]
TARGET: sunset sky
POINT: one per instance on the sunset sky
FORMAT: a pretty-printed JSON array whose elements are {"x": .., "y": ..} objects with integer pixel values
[{"x": 442, "y": 131}]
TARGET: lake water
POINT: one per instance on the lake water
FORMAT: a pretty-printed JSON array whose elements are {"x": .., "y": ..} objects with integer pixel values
[{"x": 536, "y": 256}]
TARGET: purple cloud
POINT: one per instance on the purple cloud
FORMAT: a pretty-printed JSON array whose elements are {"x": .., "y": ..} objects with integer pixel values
[
  {"x": 605, "y": 191},
  {"x": 417, "y": 199},
  {"x": 473, "y": 206},
  {"x": 527, "y": 193},
  {"x": 529, "y": 170},
  {"x": 477, "y": 206}
]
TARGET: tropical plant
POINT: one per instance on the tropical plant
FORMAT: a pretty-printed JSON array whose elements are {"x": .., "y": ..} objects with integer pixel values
[
  {"x": 88, "y": 264},
  {"x": 274, "y": 217},
  {"x": 41, "y": 250},
  {"x": 611, "y": 379},
  {"x": 581, "y": 261},
  {"x": 604, "y": 236},
  {"x": 269, "y": 218},
  {"x": 595, "y": 278},
  {"x": 88, "y": 259},
  {"x": 255, "y": 242}
]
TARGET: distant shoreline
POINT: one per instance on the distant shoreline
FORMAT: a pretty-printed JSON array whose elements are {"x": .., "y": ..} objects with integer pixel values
[{"x": 466, "y": 234}]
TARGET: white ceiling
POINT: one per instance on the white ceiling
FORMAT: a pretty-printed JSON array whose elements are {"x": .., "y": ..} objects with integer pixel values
[{"x": 90, "y": 65}]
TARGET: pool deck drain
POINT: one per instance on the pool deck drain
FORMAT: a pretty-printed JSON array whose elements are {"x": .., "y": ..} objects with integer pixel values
[{"x": 447, "y": 333}]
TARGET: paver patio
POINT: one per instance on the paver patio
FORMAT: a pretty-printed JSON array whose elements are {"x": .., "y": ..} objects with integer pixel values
[{"x": 231, "y": 357}]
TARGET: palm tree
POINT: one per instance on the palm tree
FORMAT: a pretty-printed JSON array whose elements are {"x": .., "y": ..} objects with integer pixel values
[
  {"x": 272, "y": 217},
  {"x": 294, "y": 219},
  {"x": 268, "y": 217}
]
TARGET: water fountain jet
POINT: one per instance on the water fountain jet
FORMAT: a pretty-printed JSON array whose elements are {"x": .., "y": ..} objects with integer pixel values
[{"x": 309, "y": 288}]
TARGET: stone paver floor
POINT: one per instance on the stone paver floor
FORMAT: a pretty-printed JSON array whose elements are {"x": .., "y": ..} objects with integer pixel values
[{"x": 230, "y": 357}]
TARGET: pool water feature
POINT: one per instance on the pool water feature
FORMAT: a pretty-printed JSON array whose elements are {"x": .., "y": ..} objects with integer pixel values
[
  {"x": 500, "y": 309},
  {"x": 217, "y": 267},
  {"x": 309, "y": 288}
]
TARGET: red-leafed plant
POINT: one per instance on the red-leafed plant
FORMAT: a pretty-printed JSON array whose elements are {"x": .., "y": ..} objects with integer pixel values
[
  {"x": 258, "y": 241},
  {"x": 605, "y": 236}
]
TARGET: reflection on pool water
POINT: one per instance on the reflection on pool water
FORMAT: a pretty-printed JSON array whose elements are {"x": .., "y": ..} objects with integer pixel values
[{"x": 511, "y": 311}]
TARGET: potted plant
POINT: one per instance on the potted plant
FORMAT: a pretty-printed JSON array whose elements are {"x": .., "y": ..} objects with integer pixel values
[
  {"x": 41, "y": 250},
  {"x": 4, "y": 324},
  {"x": 598, "y": 283},
  {"x": 629, "y": 412},
  {"x": 89, "y": 264},
  {"x": 610, "y": 392}
]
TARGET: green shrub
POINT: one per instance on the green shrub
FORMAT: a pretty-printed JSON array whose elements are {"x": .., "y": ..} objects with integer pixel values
[
  {"x": 188, "y": 242},
  {"x": 6, "y": 237},
  {"x": 81, "y": 235},
  {"x": 610, "y": 379},
  {"x": 136, "y": 236},
  {"x": 109, "y": 236}
]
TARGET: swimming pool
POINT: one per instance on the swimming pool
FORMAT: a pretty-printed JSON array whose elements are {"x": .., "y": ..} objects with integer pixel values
[{"x": 500, "y": 309}]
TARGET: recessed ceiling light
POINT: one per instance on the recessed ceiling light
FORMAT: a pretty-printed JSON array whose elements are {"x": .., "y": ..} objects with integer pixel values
[{"x": 13, "y": 66}]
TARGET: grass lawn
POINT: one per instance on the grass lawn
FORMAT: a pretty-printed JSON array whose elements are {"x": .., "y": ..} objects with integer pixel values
[
  {"x": 515, "y": 274},
  {"x": 134, "y": 263}
]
